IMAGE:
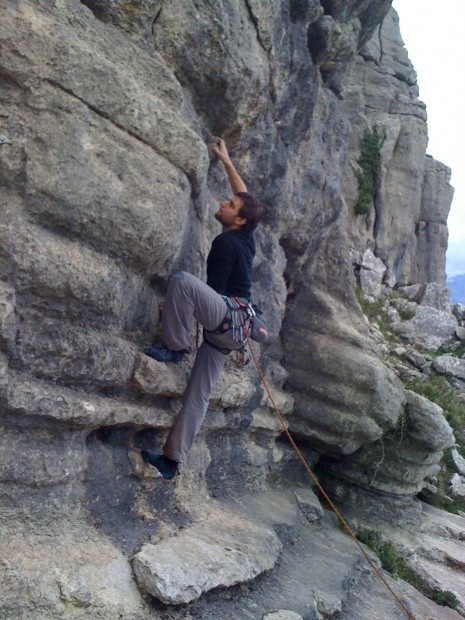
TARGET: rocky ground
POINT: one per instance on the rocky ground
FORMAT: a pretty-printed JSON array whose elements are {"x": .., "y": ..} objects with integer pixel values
[{"x": 421, "y": 336}]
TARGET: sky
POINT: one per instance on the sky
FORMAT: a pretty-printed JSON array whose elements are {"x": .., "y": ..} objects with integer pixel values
[{"x": 433, "y": 33}]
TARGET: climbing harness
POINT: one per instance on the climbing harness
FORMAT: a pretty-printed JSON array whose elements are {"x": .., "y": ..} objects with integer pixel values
[
  {"x": 242, "y": 320},
  {"x": 234, "y": 327},
  {"x": 320, "y": 488}
]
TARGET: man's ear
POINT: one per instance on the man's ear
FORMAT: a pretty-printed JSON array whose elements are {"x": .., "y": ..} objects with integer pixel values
[{"x": 241, "y": 221}]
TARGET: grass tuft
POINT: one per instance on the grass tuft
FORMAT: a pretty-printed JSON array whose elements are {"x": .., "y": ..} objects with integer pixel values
[
  {"x": 406, "y": 313},
  {"x": 398, "y": 568}
]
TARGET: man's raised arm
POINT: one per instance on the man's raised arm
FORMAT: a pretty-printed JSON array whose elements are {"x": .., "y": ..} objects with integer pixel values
[{"x": 221, "y": 151}]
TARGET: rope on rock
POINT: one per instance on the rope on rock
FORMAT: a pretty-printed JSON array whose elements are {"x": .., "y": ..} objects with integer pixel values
[{"x": 373, "y": 566}]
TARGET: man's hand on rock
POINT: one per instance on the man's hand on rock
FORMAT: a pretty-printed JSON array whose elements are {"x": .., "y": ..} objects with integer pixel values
[{"x": 221, "y": 150}]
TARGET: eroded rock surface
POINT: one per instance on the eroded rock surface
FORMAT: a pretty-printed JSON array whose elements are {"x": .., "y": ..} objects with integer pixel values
[
  {"x": 400, "y": 461},
  {"x": 108, "y": 185}
]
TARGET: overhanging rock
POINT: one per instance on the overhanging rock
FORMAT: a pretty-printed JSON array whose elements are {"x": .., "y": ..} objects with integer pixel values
[{"x": 221, "y": 550}]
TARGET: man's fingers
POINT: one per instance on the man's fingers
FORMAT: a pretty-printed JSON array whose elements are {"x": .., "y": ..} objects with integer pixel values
[{"x": 219, "y": 141}]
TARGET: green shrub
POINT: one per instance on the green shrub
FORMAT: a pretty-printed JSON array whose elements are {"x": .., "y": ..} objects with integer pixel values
[
  {"x": 398, "y": 568},
  {"x": 460, "y": 350},
  {"x": 406, "y": 313},
  {"x": 445, "y": 349},
  {"x": 369, "y": 165},
  {"x": 438, "y": 389},
  {"x": 372, "y": 309},
  {"x": 375, "y": 310}
]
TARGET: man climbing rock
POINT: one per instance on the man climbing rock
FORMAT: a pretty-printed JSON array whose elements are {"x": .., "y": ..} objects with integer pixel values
[{"x": 222, "y": 307}]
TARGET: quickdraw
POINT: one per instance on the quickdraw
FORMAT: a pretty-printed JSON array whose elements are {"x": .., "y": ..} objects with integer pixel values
[{"x": 241, "y": 314}]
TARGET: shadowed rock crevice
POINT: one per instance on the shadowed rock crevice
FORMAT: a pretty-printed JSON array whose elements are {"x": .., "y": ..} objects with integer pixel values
[
  {"x": 254, "y": 20},
  {"x": 125, "y": 499}
]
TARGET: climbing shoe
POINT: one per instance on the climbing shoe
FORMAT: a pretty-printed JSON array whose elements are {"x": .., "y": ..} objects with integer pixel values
[
  {"x": 163, "y": 354},
  {"x": 166, "y": 466}
]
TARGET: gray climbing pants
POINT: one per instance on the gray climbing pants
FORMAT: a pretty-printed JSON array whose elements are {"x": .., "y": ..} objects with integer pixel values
[{"x": 188, "y": 297}]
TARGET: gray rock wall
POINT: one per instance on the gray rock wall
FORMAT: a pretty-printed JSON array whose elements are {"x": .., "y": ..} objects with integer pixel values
[
  {"x": 109, "y": 187},
  {"x": 406, "y": 226}
]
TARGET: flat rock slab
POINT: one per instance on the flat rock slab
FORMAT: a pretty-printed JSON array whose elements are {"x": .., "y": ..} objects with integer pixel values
[
  {"x": 450, "y": 366},
  {"x": 222, "y": 550},
  {"x": 283, "y": 614}
]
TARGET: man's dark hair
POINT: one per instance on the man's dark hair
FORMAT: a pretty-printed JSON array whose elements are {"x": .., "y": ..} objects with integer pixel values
[{"x": 251, "y": 210}]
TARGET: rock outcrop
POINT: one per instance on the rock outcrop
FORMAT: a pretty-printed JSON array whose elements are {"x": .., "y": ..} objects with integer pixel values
[
  {"x": 109, "y": 186},
  {"x": 406, "y": 228}
]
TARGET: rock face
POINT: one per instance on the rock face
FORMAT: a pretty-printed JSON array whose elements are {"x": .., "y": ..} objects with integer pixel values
[
  {"x": 406, "y": 228},
  {"x": 333, "y": 408},
  {"x": 108, "y": 187}
]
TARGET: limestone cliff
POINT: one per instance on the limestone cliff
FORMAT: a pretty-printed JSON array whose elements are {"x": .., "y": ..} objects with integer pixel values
[{"x": 109, "y": 186}]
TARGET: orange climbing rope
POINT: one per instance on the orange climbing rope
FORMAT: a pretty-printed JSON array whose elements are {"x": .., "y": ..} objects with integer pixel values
[{"x": 322, "y": 491}]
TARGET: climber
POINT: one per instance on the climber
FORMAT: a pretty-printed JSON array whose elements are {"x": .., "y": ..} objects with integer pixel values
[{"x": 221, "y": 306}]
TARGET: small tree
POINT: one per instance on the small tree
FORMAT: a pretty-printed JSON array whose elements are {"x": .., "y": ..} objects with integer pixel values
[{"x": 369, "y": 165}]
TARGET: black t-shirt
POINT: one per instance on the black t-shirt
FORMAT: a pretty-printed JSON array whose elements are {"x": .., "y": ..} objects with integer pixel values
[{"x": 229, "y": 264}]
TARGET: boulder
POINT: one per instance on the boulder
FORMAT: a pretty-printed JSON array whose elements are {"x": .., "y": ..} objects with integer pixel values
[
  {"x": 429, "y": 328},
  {"x": 459, "y": 461},
  {"x": 234, "y": 388},
  {"x": 460, "y": 333},
  {"x": 41, "y": 401},
  {"x": 45, "y": 455},
  {"x": 450, "y": 366},
  {"x": 412, "y": 291},
  {"x": 82, "y": 281},
  {"x": 222, "y": 550},
  {"x": 108, "y": 187},
  {"x": 83, "y": 355},
  {"x": 328, "y": 606},
  {"x": 437, "y": 296},
  {"x": 457, "y": 487},
  {"x": 419, "y": 360},
  {"x": 458, "y": 311},
  {"x": 332, "y": 44},
  {"x": 371, "y": 274}
]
